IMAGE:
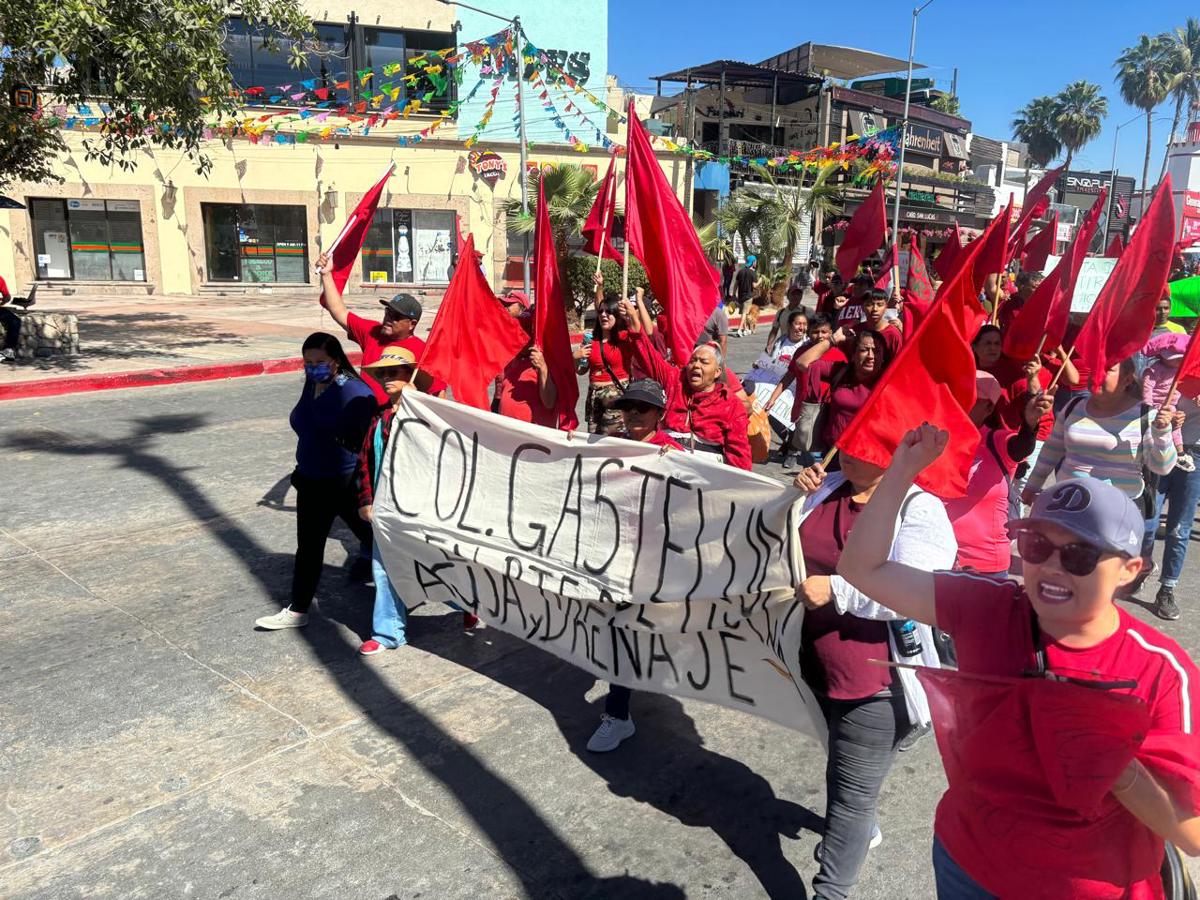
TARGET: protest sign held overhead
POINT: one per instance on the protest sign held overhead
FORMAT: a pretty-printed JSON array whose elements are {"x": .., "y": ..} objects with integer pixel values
[{"x": 667, "y": 572}]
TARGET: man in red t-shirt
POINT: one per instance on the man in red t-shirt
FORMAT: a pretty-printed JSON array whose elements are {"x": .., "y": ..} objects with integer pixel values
[
  {"x": 1069, "y": 734},
  {"x": 11, "y": 323},
  {"x": 401, "y": 314}
]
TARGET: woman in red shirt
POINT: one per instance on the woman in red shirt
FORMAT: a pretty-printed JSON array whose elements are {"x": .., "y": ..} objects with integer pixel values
[
  {"x": 608, "y": 360},
  {"x": 1069, "y": 737}
]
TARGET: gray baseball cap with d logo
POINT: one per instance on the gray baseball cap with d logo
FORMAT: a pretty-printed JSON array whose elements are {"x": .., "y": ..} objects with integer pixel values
[{"x": 1093, "y": 510}]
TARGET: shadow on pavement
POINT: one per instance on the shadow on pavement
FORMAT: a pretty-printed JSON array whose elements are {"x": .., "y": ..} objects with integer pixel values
[{"x": 513, "y": 827}]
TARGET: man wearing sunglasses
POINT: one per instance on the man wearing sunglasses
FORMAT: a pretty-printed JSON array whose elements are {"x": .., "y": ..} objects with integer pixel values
[
  {"x": 401, "y": 314},
  {"x": 1079, "y": 544}
]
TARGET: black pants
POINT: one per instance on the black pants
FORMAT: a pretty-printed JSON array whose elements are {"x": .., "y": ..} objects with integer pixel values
[
  {"x": 12, "y": 327},
  {"x": 318, "y": 502},
  {"x": 862, "y": 748},
  {"x": 616, "y": 704}
]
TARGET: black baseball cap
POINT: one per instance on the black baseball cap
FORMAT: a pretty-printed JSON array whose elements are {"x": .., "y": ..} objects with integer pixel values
[
  {"x": 644, "y": 390},
  {"x": 406, "y": 306}
]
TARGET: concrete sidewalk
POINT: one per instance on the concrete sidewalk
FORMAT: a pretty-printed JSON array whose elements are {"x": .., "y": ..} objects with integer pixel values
[{"x": 127, "y": 336}]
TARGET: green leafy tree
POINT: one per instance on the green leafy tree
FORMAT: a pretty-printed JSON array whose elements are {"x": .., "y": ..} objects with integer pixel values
[
  {"x": 947, "y": 103},
  {"x": 1081, "y": 109},
  {"x": 1036, "y": 127},
  {"x": 1185, "y": 79},
  {"x": 1144, "y": 75},
  {"x": 570, "y": 192},
  {"x": 154, "y": 74}
]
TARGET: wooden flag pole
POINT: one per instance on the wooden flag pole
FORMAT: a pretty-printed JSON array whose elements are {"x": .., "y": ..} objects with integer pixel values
[
  {"x": 1037, "y": 354},
  {"x": 604, "y": 237},
  {"x": 350, "y": 222},
  {"x": 1062, "y": 368},
  {"x": 828, "y": 457}
]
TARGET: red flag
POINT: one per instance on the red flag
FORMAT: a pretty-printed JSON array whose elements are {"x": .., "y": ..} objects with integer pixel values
[
  {"x": 1189, "y": 369},
  {"x": 884, "y": 281},
  {"x": 662, "y": 237},
  {"x": 348, "y": 244},
  {"x": 932, "y": 379},
  {"x": 1040, "y": 246},
  {"x": 473, "y": 337},
  {"x": 944, "y": 262},
  {"x": 864, "y": 235},
  {"x": 918, "y": 290},
  {"x": 1048, "y": 308},
  {"x": 597, "y": 230},
  {"x": 1115, "y": 247},
  {"x": 993, "y": 252},
  {"x": 1123, "y": 316},
  {"x": 550, "y": 317},
  {"x": 1034, "y": 206}
]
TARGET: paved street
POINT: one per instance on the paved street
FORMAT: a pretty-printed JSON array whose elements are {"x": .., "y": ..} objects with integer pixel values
[{"x": 153, "y": 744}]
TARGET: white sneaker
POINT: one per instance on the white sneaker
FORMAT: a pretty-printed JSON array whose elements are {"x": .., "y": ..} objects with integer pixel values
[
  {"x": 285, "y": 618},
  {"x": 610, "y": 734},
  {"x": 8, "y": 355},
  {"x": 1185, "y": 463}
]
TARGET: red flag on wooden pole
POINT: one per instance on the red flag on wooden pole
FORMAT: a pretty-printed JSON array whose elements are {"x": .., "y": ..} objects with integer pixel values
[
  {"x": 1040, "y": 246},
  {"x": 864, "y": 235},
  {"x": 344, "y": 251},
  {"x": 918, "y": 290},
  {"x": 597, "y": 230},
  {"x": 661, "y": 235},
  {"x": 992, "y": 255},
  {"x": 550, "y": 331},
  {"x": 932, "y": 379},
  {"x": 473, "y": 337},
  {"x": 1115, "y": 247},
  {"x": 1123, "y": 316},
  {"x": 1034, "y": 206},
  {"x": 1042, "y": 321},
  {"x": 944, "y": 262}
]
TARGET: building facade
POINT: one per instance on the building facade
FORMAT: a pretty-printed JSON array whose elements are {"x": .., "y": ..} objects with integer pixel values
[{"x": 259, "y": 217}]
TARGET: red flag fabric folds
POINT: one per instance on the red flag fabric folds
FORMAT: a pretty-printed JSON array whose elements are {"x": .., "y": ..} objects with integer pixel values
[
  {"x": 1040, "y": 246},
  {"x": 864, "y": 235},
  {"x": 662, "y": 237},
  {"x": 992, "y": 255},
  {"x": 945, "y": 262},
  {"x": 918, "y": 290},
  {"x": 597, "y": 230},
  {"x": 348, "y": 244},
  {"x": 1123, "y": 316},
  {"x": 932, "y": 379},
  {"x": 473, "y": 337},
  {"x": 1115, "y": 247},
  {"x": 550, "y": 331},
  {"x": 884, "y": 281},
  {"x": 1034, "y": 206},
  {"x": 1048, "y": 309}
]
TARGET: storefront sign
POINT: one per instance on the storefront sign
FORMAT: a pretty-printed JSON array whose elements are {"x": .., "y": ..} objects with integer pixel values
[
  {"x": 123, "y": 206},
  {"x": 1191, "y": 231},
  {"x": 488, "y": 165},
  {"x": 94, "y": 205},
  {"x": 378, "y": 277},
  {"x": 921, "y": 197},
  {"x": 1083, "y": 182},
  {"x": 923, "y": 140},
  {"x": 925, "y": 215}
]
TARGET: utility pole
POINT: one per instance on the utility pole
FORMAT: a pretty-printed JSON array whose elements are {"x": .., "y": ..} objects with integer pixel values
[{"x": 912, "y": 48}]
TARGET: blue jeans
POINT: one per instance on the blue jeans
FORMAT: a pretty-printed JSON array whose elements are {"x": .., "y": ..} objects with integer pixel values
[
  {"x": 1181, "y": 490},
  {"x": 390, "y": 619},
  {"x": 952, "y": 882}
]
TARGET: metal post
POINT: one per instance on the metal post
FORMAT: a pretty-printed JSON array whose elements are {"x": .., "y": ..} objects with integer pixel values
[
  {"x": 689, "y": 173},
  {"x": 721, "y": 116},
  {"x": 774, "y": 98},
  {"x": 912, "y": 48},
  {"x": 516, "y": 24},
  {"x": 1112, "y": 185}
]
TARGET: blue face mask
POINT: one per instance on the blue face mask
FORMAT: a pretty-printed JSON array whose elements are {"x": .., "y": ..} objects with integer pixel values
[{"x": 320, "y": 372}]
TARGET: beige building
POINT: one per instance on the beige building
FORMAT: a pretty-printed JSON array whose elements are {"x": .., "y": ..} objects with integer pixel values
[{"x": 258, "y": 219}]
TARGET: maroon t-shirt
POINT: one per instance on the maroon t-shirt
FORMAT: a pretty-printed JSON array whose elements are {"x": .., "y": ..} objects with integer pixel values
[
  {"x": 836, "y": 648},
  {"x": 846, "y": 395}
]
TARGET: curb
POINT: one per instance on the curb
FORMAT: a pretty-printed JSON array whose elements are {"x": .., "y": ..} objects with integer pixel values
[{"x": 53, "y": 387}]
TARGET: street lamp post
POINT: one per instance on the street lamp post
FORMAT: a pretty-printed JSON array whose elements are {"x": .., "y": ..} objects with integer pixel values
[
  {"x": 1112, "y": 176},
  {"x": 515, "y": 22},
  {"x": 912, "y": 48}
]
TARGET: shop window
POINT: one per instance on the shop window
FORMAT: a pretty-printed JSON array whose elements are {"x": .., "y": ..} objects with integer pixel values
[
  {"x": 256, "y": 242},
  {"x": 88, "y": 240},
  {"x": 410, "y": 246},
  {"x": 386, "y": 46},
  {"x": 259, "y": 58}
]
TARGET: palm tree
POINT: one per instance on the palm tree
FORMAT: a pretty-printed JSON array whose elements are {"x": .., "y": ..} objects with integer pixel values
[
  {"x": 570, "y": 193},
  {"x": 1144, "y": 74},
  {"x": 1036, "y": 128},
  {"x": 1185, "y": 82},
  {"x": 1077, "y": 119}
]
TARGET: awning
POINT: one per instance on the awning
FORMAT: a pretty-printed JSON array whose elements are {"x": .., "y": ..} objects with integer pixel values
[
  {"x": 6, "y": 203},
  {"x": 835, "y": 61}
]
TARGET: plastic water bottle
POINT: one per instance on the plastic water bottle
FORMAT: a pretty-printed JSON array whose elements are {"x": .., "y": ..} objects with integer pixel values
[{"x": 908, "y": 641}]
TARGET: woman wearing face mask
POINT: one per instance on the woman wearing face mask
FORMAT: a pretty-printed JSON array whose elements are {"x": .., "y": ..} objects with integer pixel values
[
  {"x": 702, "y": 413},
  {"x": 1024, "y": 815},
  {"x": 642, "y": 406},
  {"x": 979, "y": 516},
  {"x": 1111, "y": 436},
  {"x": 868, "y": 707},
  {"x": 330, "y": 420}
]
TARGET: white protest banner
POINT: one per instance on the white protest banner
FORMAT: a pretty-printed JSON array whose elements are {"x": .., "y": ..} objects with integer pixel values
[
  {"x": 1092, "y": 276},
  {"x": 667, "y": 572},
  {"x": 781, "y": 412}
]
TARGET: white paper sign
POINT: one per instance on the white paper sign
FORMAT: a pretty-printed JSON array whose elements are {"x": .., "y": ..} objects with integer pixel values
[
  {"x": 781, "y": 412},
  {"x": 1092, "y": 277},
  {"x": 668, "y": 572}
]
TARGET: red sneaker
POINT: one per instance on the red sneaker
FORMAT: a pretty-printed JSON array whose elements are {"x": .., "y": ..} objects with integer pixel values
[
  {"x": 472, "y": 623},
  {"x": 370, "y": 648}
]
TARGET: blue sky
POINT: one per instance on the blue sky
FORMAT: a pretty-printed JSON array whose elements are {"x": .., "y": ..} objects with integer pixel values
[{"x": 1006, "y": 53}]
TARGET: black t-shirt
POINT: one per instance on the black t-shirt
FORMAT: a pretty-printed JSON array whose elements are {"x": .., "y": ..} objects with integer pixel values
[{"x": 745, "y": 282}]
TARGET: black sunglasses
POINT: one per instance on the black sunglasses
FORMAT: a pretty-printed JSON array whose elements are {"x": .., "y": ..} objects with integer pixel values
[
  {"x": 1076, "y": 558},
  {"x": 637, "y": 406}
]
